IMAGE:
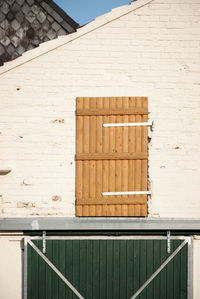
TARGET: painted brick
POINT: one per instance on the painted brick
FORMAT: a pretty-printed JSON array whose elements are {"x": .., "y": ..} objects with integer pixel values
[{"x": 121, "y": 58}]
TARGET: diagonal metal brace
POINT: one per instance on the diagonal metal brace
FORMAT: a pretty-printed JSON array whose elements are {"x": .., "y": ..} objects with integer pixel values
[
  {"x": 55, "y": 270},
  {"x": 159, "y": 269}
]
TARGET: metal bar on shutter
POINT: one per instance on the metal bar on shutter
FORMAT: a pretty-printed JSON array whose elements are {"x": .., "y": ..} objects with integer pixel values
[
  {"x": 128, "y": 124},
  {"x": 126, "y": 193}
]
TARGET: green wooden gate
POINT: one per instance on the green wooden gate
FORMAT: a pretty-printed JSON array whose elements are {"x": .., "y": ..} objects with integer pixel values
[{"x": 106, "y": 268}]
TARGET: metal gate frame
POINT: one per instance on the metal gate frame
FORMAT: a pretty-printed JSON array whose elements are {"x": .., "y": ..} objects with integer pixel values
[{"x": 189, "y": 243}]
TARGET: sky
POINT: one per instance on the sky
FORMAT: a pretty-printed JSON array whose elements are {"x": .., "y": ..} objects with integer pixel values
[{"x": 84, "y": 11}]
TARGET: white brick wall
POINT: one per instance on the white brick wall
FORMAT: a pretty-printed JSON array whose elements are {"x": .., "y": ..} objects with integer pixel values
[{"x": 152, "y": 51}]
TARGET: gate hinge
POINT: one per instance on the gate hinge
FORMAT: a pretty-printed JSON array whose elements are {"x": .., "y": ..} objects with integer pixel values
[
  {"x": 168, "y": 241},
  {"x": 44, "y": 242}
]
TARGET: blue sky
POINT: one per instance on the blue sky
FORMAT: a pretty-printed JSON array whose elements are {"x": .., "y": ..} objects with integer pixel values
[{"x": 84, "y": 11}]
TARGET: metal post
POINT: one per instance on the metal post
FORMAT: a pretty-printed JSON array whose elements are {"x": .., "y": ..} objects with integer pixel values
[{"x": 25, "y": 272}]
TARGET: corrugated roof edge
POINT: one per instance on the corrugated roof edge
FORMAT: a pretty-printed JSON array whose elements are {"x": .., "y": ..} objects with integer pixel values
[{"x": 63, "y": 40}]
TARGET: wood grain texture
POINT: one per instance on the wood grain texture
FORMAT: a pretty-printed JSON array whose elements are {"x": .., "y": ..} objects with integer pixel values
[
  {"x": 110, "y": 159},
  {"x": 113, "y": 112},
  {"x": 112, "y": 156}
]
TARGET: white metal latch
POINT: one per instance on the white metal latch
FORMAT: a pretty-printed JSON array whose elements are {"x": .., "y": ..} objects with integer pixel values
[
  {"x": 138, "y": 124},
  {"x": 44, "y": 242},
  {"x": 126, "y": 193}
]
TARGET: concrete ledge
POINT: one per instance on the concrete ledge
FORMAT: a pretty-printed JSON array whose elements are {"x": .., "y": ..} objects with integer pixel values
[{"x": 81, "y": 224}]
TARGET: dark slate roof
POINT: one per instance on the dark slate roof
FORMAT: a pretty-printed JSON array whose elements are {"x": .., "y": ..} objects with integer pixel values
[
  {"x": 24, "y": 24},
  {"x": 59, "y": 15}
]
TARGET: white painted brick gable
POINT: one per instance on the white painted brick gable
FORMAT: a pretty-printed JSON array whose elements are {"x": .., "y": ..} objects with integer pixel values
[{"x": 153, "y": 51}]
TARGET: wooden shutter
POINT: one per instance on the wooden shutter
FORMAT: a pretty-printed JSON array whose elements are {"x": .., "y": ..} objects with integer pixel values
[{"x": 111, "y": 159}]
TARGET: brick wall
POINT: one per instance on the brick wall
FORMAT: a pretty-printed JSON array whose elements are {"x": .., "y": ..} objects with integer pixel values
[{"x": 152, "y": 51}]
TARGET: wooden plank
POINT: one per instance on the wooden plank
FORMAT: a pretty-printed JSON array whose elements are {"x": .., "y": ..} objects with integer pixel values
[
  {"x": 79, "y": 181},
  {"x": 105, "y": 175},
  {"x": 138, "y": 137},
  {"x": 131, "y": 130},
  {"x": 143, "y": 210},
  {"x": 86, "y": 148},
  {"x": 99, "y": 163},
  {"x": 86, "y": 126},
  {"x": 99, "y": 183},
  {"x": 131, "y": 148},
  {"x": 111, "y": 201},
  {"x": 112, "y": 148},
  {"x": 112, "y": 156},
  {"x": 119, "y": 137},
  {"x": 118, "y": 173},
  {"x": 131, "y": 185},
  {"x": 107, "y": 212},
  {"x": 105, "y": 163},
  {"x": 112, "y": 133},
  {"x": 125, "y": 140},
  {"x": 99, "y": 128},
  {"x": 86, "y": 180},
  {"x": 79, "y": 103},
  {"x": 112, "y": 171},
  {"x": 129, "y": 111},
  {"x": 79, "y": 134},
  {"x": 80, "y": 100},
  {"x": 138, "y": 143},
  {"x": 79, "y": 187},
  {"x": 92, "y": 185},
  {"x": 92, "y": 164},
  {"x": 125, "y": 163},
  {"x": 125, "y": 169}
]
